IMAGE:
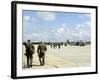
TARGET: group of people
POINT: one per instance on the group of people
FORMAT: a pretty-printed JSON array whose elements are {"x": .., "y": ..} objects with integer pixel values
[
  {"x": 55, "y": 45},
  {"x": 30, "y": 50}
]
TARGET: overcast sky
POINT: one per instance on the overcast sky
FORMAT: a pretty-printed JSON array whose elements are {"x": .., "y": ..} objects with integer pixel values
[{"x": 56, "y": 26}]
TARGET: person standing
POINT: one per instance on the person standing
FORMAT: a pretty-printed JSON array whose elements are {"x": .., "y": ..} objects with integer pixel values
[
  {"x": 41, "y": 49},
  {"x": 29, "y": 53},
  {"x": 59, "y": 45}
]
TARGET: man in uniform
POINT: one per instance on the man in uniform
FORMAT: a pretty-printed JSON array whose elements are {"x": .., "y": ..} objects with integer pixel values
[
  {"x": 41, "y": 53},
  {"x": 29, "y": 53},
  {"x": 59, "y": 45}
]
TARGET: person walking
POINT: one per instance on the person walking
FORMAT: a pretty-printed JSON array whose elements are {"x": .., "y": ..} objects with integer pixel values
[
  {"x": 30, "y": 50},
  {"x": 41, "y": 49}
]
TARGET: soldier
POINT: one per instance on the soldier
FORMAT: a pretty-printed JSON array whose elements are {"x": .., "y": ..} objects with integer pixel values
[
  {"x": 65, "y": 44},
  {"x": 54, "y": 45},
  {"x": 59, "y": 45},
  {"x": 41, "y": 53},
  {"x": 51, "y": 45},
  {"x": 29, "y": 53}
]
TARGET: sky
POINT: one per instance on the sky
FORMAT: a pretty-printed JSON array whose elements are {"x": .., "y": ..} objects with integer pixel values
[{"x": 56, "y": 26}]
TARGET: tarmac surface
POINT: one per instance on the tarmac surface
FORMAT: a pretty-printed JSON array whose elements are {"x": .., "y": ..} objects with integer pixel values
[{"x": 66, "y": 56}]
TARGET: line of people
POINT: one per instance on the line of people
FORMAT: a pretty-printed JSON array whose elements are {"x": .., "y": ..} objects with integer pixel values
[
  {"x": 55, "y": 45},
  {"x": 30, "y": 50}
]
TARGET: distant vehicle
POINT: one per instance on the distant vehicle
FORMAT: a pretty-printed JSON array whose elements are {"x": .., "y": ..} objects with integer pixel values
[{"x": 77, "y": 43}]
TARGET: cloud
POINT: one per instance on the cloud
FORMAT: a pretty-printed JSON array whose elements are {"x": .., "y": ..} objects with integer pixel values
[
  {"x": 26, "y": 18},
  {"x": 29, "y": 24},
  {"x": 37, "y": 36},
  {"x": 47, "y": 16},
  {"x": 85, "y": 16},
  {"x": 83, "y": 31},
  {"x": 62, "y": 33},
  {"x": 79, "y": 32},
  {"x": 60, "y": 30}
]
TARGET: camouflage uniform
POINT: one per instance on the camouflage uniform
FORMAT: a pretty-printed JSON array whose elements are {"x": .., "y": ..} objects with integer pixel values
[
  {"x": 41, "y": 53},
  {"x": 59, "y": 45},
  {"x": 29, "y": 53}
]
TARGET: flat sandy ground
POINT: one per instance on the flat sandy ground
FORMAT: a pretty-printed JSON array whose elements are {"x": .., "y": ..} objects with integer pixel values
[{"x": 66, "y": 56}]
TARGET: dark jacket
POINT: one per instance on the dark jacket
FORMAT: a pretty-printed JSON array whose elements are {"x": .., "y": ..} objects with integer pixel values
[{"x": 41, "y": 50}]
